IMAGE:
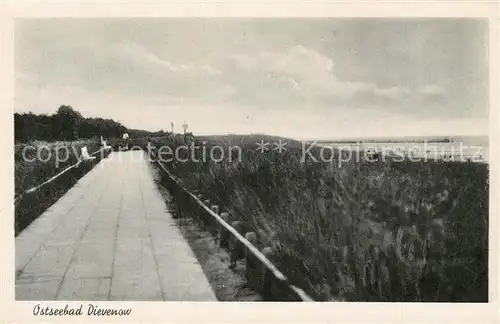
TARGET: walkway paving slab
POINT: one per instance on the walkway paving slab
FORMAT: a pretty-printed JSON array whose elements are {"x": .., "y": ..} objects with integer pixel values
[{"x": 110, "y": 237}]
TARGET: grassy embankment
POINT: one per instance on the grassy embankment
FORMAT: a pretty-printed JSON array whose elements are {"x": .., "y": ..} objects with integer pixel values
[
  {"x": 32, "y": 170},
  {"x": 408, "y": 231}
]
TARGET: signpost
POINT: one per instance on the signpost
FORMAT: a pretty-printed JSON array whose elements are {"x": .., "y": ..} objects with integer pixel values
[{"x": 185, "y": 126}]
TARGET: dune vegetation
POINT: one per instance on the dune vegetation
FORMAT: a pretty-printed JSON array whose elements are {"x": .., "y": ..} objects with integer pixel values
[
  {"x": 362, "y": 231},
  {"x": 36, "y": 162}
]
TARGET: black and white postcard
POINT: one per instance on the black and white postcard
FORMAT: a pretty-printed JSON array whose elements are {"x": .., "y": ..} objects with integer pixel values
[{"x": 301, "y": 163}]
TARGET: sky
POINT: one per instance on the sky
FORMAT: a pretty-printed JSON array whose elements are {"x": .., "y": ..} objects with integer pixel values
[{"x": 311, "y": 78}]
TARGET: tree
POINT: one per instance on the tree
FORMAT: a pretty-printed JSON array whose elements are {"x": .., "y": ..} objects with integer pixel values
[
  {"x": 69, "y": 121},
  {"x": 66, "y": 124}
]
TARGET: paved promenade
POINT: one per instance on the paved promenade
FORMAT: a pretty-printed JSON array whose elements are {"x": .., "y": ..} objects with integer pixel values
[{"x": 109, "y": 238}]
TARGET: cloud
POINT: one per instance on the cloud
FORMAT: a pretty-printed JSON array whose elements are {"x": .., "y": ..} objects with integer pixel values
[
  {"x": 140, "y": 55},
  {"x": 279, "y": 75},
  {"x": 392, "y": 92},
  {"x": 124, "y": 66},
  {"x": 432, "y": 89},
  {"x": 301, "y": 75},
  {"x": 25, "y": 78}
]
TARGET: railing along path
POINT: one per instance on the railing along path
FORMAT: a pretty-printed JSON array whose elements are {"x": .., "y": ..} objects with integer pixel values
[
  {"x": 84, "y": 157},
  {"x": 274, "y": 284}
]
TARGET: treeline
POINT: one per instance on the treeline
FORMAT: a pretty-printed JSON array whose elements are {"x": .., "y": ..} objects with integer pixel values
[
  {"x": 143, "y": 133},
  {"x": 67, "y": 124}
]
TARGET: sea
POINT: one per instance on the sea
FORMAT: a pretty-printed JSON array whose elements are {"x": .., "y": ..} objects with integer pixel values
[{"x": 462, "y": 149}]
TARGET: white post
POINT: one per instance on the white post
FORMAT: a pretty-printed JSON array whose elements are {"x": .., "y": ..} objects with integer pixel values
[
  {"x": 185, "y": 126},
  {"x": 150, "y": 146},
  {"x": 85, "y": 154}
]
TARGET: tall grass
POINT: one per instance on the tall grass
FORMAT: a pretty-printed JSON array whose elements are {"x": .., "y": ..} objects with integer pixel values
[
  {"x": 364, "y": 231},
  {"x": 35, "y": 163}
]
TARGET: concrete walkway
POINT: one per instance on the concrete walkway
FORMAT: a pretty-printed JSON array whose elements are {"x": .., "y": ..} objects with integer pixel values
[{"x": 109, "y": 238}]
